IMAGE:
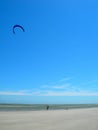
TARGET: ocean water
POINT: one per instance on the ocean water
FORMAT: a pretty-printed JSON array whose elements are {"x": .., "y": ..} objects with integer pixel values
[{"x": 35, "y": 107}]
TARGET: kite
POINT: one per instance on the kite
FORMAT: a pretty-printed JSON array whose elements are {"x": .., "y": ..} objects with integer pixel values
[{"x": 17, "y": 26}]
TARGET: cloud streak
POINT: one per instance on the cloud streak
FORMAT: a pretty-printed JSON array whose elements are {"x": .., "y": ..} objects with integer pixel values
[
  {"x": 50, "y": 93},
  {"x": 15, "y": 93},
  {"x": 53, "y": 93},
  {"x": 66, "y": 89},
  {"x": 64, "y": 86},
  {"x": 65, "y": 79}
]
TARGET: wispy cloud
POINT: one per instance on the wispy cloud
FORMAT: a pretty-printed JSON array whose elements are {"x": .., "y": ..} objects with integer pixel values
[
  {"x": 63, "y": 86},
  {"x": 65, "y": 89},
  {"x": 15, "y": 93},
  {"x": 51, "y": 93},
  {"x": 64, "y": 93},
  {"x": 65, "y": 79}
]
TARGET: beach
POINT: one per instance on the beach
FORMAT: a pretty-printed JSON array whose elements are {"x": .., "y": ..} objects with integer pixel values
[{"x": 71, "y": 119}]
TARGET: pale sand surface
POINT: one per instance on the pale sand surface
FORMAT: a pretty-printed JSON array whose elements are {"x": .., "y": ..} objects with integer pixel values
[{"x": 76, "y": 119}]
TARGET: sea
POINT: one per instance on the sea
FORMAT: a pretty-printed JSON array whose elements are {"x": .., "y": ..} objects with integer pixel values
[{"x": 40, "y": 107}]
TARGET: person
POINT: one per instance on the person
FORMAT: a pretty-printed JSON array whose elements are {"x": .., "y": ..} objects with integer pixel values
[{"x": 47, "y": 107}]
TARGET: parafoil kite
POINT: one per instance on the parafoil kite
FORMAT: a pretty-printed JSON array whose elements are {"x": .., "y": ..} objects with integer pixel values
[{"x": 17, "y": 26}]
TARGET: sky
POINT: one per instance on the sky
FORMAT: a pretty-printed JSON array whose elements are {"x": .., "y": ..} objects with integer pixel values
[{"x": 56, "y": 59}]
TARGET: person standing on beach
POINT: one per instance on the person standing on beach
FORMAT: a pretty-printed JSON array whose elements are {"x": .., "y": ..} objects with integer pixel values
[{"x": 47, "y": 107}]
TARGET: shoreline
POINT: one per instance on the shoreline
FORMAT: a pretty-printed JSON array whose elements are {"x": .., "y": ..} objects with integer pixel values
[
  {"x": 41, "y": 107},
  {"x": 48, "y": 110}
]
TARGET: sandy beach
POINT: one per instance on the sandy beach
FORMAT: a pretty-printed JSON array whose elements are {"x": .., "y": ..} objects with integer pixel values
[{"x": 76, "y": 119}]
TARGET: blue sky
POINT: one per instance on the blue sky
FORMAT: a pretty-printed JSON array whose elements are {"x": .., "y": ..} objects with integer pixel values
[{"x": 56, "y": 59}]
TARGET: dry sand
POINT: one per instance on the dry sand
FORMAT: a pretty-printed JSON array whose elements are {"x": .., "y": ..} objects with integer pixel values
[{"x": 77, "y": 119}]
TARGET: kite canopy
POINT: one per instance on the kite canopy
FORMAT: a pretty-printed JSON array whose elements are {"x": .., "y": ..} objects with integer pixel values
[{"x": 17, "y": 26}]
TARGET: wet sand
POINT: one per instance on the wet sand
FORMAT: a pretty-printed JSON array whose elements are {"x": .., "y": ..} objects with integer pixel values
[{"x": 76, "y": 119}]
